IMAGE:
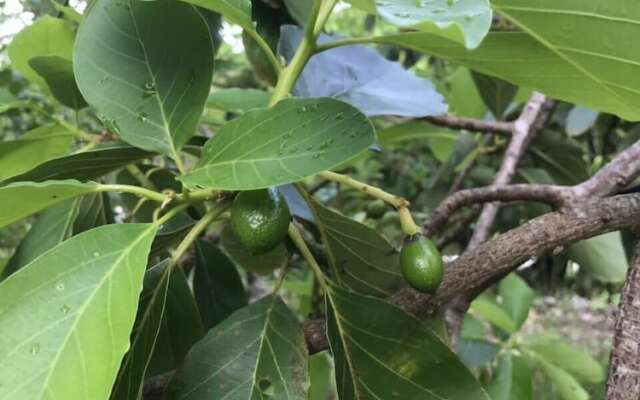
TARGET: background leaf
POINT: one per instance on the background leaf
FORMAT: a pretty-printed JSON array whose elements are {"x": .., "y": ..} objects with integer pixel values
[
  {"x": 22, "y": 199},
  {"x": 566, "y": 384},
  {"x": 603, "y": 256},
  {"x": 217, "y": 286},
  {"x": 235, "y": 11},
  {"x": 71, "y": 294},
  {"x": 486, "y": 308},
  {"x": 516, "y": 298},
  {"x": 496, "y": 93},
  {"x": 576, "y": 362},
  {"x": 33, "y": 148},
  {"x": 87, "y": 165},
  {"x": 124, "y": 70},
  {"x": 286, "y": 143},
  {"x": 362, "y": 77},
  {"x": 379, "y": 353},
  {"x": 512, "y": 379},
  {"x": 50, "y": 229},
  {"x": 257, "y": 352},
  {"x": 58, "y": 74},
  {"x": 580, "y": 120},
  {"x": 47, "y": 36}
]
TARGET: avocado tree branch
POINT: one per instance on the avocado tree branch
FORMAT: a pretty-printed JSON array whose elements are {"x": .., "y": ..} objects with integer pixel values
[
  {"x": 551, "y": 194},
  {"x": 477, "y": 267},
  {"x": 623, "y": 382},
  {"x": 471, "y": 124},
  {"x": 529, "y": 123}
]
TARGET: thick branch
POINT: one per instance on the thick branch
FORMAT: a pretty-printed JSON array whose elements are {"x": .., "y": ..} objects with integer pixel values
[
  {"x": 624, "y": 368},
  {"x": 524, "y": 129},
  {"x": 473, "y": 269},
  {"x": 554, "y": 195},
  {"x": 470, "y": 124},
  {"x": 614, "y": 176}
]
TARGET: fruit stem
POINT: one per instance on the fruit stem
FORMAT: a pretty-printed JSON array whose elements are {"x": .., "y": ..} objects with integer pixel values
[
  {"x": 407, "y": 223},
  {"x": 396, "y": 201},
  {"x": 299, "y": 242}
]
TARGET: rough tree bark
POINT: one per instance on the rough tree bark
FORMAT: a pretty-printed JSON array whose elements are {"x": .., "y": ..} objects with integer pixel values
[{"x": 623, "y": 382}]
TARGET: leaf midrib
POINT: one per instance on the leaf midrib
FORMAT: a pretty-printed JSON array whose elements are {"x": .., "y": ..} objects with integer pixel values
[
  {"x": 88, "y": 302},
  {"x": 560, "y": 54}
]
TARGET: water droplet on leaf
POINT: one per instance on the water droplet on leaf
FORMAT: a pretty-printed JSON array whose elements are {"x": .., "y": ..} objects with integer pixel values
[
  {"x": 60, "y": 287},
  {"x": 34, "y": 349}
]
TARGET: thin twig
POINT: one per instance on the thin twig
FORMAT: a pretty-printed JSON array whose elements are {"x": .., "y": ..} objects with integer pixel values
[
  {"x": 523, "y": 132},
  {"x": 471, "y": 124},
  {"x": 551, "y": 194}
]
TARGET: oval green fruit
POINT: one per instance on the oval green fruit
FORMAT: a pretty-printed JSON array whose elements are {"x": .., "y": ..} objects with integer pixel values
[
  {"x": 376, "y": 209},
  {"x": 260, "y": 219},
  {"x": 421, "y": 264}
]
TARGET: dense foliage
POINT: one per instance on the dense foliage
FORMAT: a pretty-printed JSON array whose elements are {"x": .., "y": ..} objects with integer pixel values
[{"x": 172, "y": 227}]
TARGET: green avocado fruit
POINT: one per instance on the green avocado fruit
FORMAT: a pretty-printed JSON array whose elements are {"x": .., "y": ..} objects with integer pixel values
[
  {"x": 421, "y": 264},
  {"x": 376, "y": 209},
  {"x": 260, "y": 219}
]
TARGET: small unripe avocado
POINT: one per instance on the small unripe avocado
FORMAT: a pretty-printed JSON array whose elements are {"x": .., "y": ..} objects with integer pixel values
[
  {"x": 260, "y": 219},
  {"x": 376, "y": 209},
  {"x": 421, "y": 264}
]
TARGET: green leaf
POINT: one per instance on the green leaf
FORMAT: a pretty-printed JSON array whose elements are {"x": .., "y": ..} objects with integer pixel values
[
  {"x": 92, "y": 212},
  {"x": 578, "y": 363},
  {"x": 464, "y": 21},
  {"x": 258, "y": 352},
  {"x": 235, "y": 11},
  {"x": 512, "y": 379},
  {"x": 238, "y": 100},
  {"x": 464, "y": 96},
  {"x": 181, "y": 326},
  {"x": 476, "y": 352},
  {"x": 567, "y": 50},
  {"x": 580, "y": 120},
  {"x": 58, "y": 74},
  {"x": 133, "y": 66},
  {"x": 368, "y": 6},
  {"x": 50, "y": 229},
  {"x": 286, "y": 143},
  {"x": 516, "y": 298},
  {"x": 261, "y": 264},
  {"x": 47, "y": 36},
  {"x": 81, "y": 299},
  {"x": 496, "y": 93},
  {"x": 130, "y": 378},
  {"x": 359, "y": 257},
  {"x": 19, "y": 200},
  {"x": 320, "y": 369},
  {"x": 83, "y": 166},
  {"x": 566, "y": 384},
  {"x": 486, "y": 308},
  {"x": 33, "y": 148},
  {"x": 603, "y": 256},
  {"x": 379, "y": 353},
  {"x": 415, "y": 130},
  {"x": 217, "y": 286}
]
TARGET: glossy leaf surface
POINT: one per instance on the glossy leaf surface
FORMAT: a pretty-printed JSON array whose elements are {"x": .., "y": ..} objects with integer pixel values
[{"x": 81, "y": 297}]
